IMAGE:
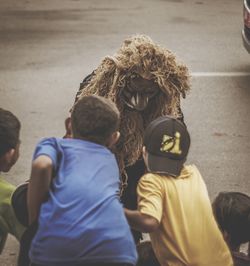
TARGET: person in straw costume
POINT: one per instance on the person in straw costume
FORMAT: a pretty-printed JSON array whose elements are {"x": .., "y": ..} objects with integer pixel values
[{"x": 145, "y": 81}]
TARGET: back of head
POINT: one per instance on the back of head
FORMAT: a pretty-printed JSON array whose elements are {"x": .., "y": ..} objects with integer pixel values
[
  {"x": 94, "y": 118},
  {"x": 232, "y": 212},
  {"x": 9, "y": 131},
  {"x": 167, "y": 142}
]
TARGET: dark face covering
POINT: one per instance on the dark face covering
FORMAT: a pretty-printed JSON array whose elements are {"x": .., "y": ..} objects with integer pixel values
[{"x": 138, "y": 92}]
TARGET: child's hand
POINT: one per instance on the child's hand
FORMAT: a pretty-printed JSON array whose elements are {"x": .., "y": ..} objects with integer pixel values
[{"x": 68, "y": 128}]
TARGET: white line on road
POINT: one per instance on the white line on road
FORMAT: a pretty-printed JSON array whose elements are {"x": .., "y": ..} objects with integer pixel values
[{"x": 220, "y": 74}]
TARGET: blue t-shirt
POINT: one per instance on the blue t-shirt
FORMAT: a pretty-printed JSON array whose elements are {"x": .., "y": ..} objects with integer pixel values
[{"x": 83, "y": 220}]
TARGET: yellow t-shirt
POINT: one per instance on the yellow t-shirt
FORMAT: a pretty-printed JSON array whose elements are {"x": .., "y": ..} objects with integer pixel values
[{"x": 188, "y": 233}]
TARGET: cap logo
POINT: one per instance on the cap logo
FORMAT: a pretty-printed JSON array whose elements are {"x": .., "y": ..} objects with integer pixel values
[{"x": 171, "y": 144}]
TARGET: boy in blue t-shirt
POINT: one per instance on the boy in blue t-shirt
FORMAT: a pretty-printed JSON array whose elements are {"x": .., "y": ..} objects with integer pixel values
[{"x": 73, "y": 192}]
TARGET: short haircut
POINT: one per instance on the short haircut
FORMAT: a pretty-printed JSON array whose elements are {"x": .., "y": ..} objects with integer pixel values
[
  {"x": 232, "y": 212},
  {"x": 9, "y": 131},
  {"x": 94, "y": 118}
]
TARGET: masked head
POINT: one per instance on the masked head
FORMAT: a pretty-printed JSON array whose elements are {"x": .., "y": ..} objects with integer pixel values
[
  {"x": 145, "y": 81},
  {"x": 138, "y": 91}
]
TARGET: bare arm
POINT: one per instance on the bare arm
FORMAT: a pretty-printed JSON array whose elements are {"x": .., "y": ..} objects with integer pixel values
[
  {"x": 141, "y": 222},
  {"x": 41, "y": 175}
]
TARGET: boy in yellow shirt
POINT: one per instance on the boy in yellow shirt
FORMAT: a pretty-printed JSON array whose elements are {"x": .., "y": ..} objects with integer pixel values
[
  {"x": 173, "y": 202},
  {"x": 9, "y": 153}
]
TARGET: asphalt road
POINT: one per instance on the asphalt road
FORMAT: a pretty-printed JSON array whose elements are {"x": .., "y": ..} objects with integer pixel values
[{"x": 47, "y": 47}]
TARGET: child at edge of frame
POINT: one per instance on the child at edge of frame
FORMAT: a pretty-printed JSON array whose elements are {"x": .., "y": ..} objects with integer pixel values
[
  {"x": 10, "y": 127},
  {"x": 232, "y": 213},
  {"x": 173, "y": 202},
  {"x": 73, "y": 193}
]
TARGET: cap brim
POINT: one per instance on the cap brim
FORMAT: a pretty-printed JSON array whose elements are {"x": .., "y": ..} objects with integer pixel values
[{"x": 163, "y": 165}]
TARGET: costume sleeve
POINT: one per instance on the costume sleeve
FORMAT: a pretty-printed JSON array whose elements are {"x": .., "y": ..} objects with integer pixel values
[
  {"x": 150, "y": 195},
  {"x": 83, "y": 84},
  {"x": 48, "y": 147}
]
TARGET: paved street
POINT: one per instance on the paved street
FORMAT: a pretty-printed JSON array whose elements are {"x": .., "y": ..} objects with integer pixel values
[{"x": 48, "y": 47}]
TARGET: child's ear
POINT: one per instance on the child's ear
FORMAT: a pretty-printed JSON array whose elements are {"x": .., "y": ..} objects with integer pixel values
[
  {"x": 7, "y": 160},
  {"x": 226, "y": 236},
  {"x": 10, "y": 155},
  {"x": 144, "y": 152},
  {"x": 68, "y": 127},
  {"x": 113, "y": 139},
  {"x": 145, "y": 157}
]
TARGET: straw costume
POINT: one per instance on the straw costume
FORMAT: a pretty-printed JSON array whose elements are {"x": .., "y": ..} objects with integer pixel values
[{"x": 145, "y": 81}]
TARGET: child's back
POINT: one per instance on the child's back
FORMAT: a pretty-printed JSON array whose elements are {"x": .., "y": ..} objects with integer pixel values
[
  {"x": 188, "y": 233},
  {"x": 83, "y": 221},
  {"x": 8, "y": 221}
]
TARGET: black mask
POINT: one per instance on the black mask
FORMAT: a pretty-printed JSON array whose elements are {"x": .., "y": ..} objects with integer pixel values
[{"x": 138, "y": 92}]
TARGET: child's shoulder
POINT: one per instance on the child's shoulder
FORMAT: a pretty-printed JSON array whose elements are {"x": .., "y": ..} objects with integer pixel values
[
  {"x": 151, "y": 178},
  {"x": 6, "y": 188},
  {"x": 51, "y": 141},
  {"x": 5, "y": 184},
  {"x": 190, "y": 169}
]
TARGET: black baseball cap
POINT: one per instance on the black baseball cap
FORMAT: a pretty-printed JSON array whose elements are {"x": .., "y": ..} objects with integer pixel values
[{"x": 167, "y": 142}]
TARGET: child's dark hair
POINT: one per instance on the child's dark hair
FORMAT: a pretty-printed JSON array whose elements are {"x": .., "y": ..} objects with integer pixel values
[
  {"x": 9, "y": 131},
  {"x": 232, "y": 212},
  {"x": 94, "y": 118}
]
